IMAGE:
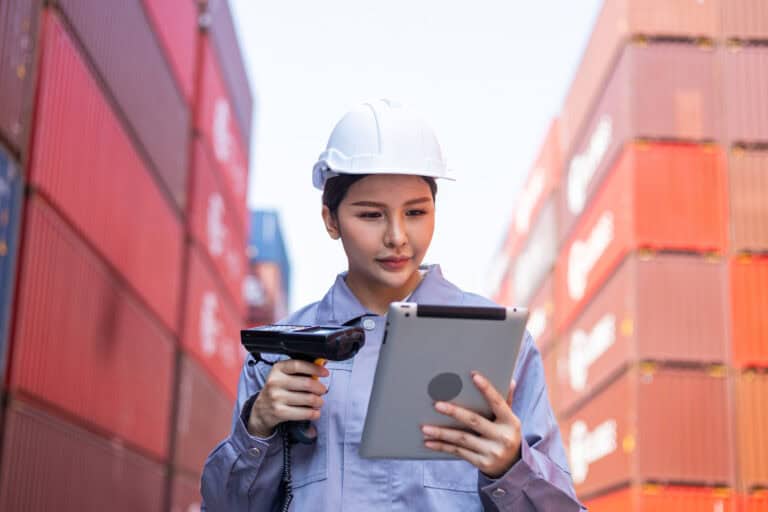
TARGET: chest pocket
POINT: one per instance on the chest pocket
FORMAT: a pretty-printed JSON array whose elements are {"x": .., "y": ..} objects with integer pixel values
[{"x": 450, "y": 475}]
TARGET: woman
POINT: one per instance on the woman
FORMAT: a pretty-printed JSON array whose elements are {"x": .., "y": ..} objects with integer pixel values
[{"x": 378, "y": 180}]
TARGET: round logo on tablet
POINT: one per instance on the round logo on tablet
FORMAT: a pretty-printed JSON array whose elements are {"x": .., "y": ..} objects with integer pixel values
[{"x": 444, "y": 387}]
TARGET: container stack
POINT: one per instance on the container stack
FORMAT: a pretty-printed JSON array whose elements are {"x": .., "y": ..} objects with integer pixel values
[
  {"x": 121, "y": 298},
  {"x": 269, "y": 270},
  {"x": 654, "y": 363}
]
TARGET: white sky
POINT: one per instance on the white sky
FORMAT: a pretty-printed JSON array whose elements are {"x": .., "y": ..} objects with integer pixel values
[{"x": 487, "y": 75}]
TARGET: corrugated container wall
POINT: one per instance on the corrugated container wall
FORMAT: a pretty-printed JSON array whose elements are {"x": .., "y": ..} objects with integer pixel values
[
  {"x": 107, "y": 192},
  {"x": 541, "y": 319},
  {"x": 662, "y": 498},
  {"x": 158, "y": 115},
  {"x": 669, "y": 308},
  {"x": 658, "y": 92},
  {"x": 537, "y": 257},
  {"x": 651, "y": 425},
  {"x": 659, "y": 196},
  {"x": 10, "y": 213},
  {"x": 744, "y": 20},
  {"x": 19, "y": 20},
  {"x": 752, "y": 430},
  {"x": 83, "y": 343},
  {"x": 757, "y": 502},
  {"x": 266, "y": 244},
  {"x": 617, "y": 23},
  {"x": 745, "y": 82},
  {"x": 749, "y": 310},
  {"x": 48, "y": 464},
  {"x": 185, "y": 494},
  {"x": 748, "y": 200}
]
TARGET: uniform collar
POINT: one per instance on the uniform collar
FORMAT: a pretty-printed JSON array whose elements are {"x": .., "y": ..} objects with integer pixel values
[{"x": 340, "y": 306}]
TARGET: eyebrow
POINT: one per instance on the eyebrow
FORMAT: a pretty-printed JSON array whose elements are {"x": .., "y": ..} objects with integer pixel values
[{"x": 382, "y": 205}]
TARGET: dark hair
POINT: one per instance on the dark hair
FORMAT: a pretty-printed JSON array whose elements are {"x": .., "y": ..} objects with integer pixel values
[{"x": 336, "y": 188}]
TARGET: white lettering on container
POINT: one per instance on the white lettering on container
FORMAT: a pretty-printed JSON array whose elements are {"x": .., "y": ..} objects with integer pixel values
[
  {"x": 222, "y": 138},
  {"x": 584, "y": 165},
  {"x": 217, "y": 231},
  {"x": 587, "y": 448},
  {"x": 209, "y": 323},
  {"x": 586, "y": 348},
  {"x": 585, "y": 254}
]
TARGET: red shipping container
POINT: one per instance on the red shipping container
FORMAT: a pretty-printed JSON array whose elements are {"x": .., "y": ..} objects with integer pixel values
[
  {"x": 662, "y": 498},
  {"x": 537, "y": 257},
  {"x": 185, "y": 494},
  {"x": 48, "y": 464},
  {"x": 177, "y": 28},
  {"x": 19, "y": 21},
  {"x": 617, "y": 23},
  {"x": 757, "y": 502},
  {"x": 217, "y": 123},
  {"x": 744, "y": 20},
  {"x": 749, "y": 311},
  {"x": 272, "y": 305},
  {"x": 659, "y": 196},
  {"x": 216, "y": 227},
  {"x": 652, "y": 424},
  {"x": 541, "y": 309},
  {"x": 549, "y": 360},
  {"x": 119, "y": 40},
  {"x": 83, "y": 343},
  {"x": 752, "y": 430},
  {"x": 204, "y": 417},
  {"x": 745, "y": 82},
  {"x": 748, "y": 201},
  {"x": 669, "y": 308},
  {"x": 212, "y": 326},
  {"x": 84, "y": 162},
  {"x": 658, "y": 92}
]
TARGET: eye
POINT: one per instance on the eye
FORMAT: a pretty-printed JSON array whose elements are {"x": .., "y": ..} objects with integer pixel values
[
  {"x": 412, "y": 213},
  {"x": 369, "y": 215}
]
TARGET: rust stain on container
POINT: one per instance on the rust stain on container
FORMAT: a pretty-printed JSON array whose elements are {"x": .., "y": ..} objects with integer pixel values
[
  {"x": 142, "y": 84},
  {"x": 749, "y": 311},
  {"x": 204, "y": 417},
  {"x": 663, "y": 498},
  {"x": 618, "y": 22},
  {"x": 744, "y": 20},
  {"x": 745, "y": 82},
  {"x": 748, "y": 201},
  {"x": 668, "y": 308},
  {"x": 185, "y": 493},
  {"x": 752, "y": 430},
  {"x": 83, "y": 343},
  {"x": 652, "y": 427},
  {"x": 49, "y": 464}
]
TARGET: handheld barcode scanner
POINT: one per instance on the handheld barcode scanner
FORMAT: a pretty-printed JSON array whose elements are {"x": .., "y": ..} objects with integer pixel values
[{"x": 308, "y": 343}]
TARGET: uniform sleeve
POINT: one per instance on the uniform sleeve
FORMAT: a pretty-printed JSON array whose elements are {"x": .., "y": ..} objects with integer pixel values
[
  {"x": 244, "y": 472},
  {"x": 540, "y": 479}
]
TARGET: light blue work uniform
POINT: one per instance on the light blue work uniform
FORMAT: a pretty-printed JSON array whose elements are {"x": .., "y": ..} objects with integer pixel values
[{"x": 243, "y": 473}]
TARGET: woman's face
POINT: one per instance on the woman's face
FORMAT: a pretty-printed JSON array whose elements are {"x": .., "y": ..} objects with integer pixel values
[{"x": 385, "y": 223}]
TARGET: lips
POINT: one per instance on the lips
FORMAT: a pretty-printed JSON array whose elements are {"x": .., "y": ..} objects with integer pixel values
[{"x": 394, "y": 263}]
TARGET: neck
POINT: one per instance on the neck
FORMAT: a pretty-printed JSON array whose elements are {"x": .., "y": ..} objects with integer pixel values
[{"x": 377, "y": 298}]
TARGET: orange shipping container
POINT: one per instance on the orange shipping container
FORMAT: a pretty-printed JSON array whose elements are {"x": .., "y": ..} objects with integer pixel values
[
  {"x": 549, "y": 360},
  {"x": 752, "y": 430},
  {"x": 658, "y": 498},
  {"x": 748, "y": 201},
  {"x": 668, "y": 308},
  {"x": 749, "y": 310},
  {"x": 757, "y": 502},
  {"x": 541, "y": 322},
  {"x": 652, "y": 424},
  {"x": 659, "y": 196},
  {"x": 744, "y": 20}
]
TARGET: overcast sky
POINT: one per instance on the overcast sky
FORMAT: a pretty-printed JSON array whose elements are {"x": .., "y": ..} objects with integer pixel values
[{"x": 487, "y": 75}]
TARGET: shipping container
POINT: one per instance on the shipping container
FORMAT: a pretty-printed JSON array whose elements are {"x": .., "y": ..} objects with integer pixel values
[
  {"x": 537, "y": 257},
  {"x": 663, "y": 498},
  {"x": 745, "y": 82},
  {"x": 185, "y": 494},
  {"x": 19, "y": 21},
  {"x": 549, "y": 360},
  {"x": 49, "y": 464},
  {"x": 620, "y": 21},
  {"x": 659, "y": 196},
  {"x": 203, "y": 420},
  {"x": 215, "y": 225},
  {"x": 106, "y": 191},
  {"x": 142, "y": 85},
  {"x": 177, "y": 28},
  {"x": 748, "y": 203},
  {"x": 749, "y": 311},
  {"x": 212, "y": 325},
  {"x": 757, "y": 502},
  {"x": 541, "y": 309},
  {"x": 221, "y": 27},
  {"x": 652, "y": 425},
  {"x": 83, "y": 343},
  {"x": 270, "y": 304},
  {"x": 217, "y": 123},
  {"x": 751, "y": 389},
  {"x": 266, "y": 244},
  {"x": 11, "y": 187},
  {"x": 669, "y": 308},
  {"x": 658, "y": 92},
  {"x": 744, "y": 20}
]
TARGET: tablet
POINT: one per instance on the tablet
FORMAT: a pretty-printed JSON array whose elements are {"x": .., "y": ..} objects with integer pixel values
[{"x": 427, "y": 354}]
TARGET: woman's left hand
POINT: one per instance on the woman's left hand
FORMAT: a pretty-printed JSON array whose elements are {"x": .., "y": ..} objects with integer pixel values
[{"x": 493, "y": 446}]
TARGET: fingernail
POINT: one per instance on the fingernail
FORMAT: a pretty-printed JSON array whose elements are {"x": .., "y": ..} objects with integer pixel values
[
  {"x": 441, "y": 406},
  {"x": 428, "y": 430}
]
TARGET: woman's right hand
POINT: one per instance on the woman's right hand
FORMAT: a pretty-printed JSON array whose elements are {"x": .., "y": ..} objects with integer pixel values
[{"x": 290, "y": 394}]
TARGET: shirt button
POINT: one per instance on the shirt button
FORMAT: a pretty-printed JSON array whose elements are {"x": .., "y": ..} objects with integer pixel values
[
  {"x": 255, "y": 452},
  {"x": 498, "y": 493},
  {"x": 369, "y": 324}
]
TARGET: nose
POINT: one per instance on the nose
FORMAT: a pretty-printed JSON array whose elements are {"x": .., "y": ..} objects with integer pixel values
[{"x": 395, "y": 234}]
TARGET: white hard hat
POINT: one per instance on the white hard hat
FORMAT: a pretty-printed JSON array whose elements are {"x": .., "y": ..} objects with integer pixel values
[{"x": 380, "y": 137}]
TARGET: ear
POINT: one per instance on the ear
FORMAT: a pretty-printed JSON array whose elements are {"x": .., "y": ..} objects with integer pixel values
[{"x": 331, "y": 224}]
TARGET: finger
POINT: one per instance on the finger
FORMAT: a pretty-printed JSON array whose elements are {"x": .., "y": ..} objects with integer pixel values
[
  {"x": 299, "y": 367},
  {"x": 461, "y": 438},
  {"x": 300, "y": 383},
  {"x": 470, "y": 419},
  {"x": 468, "y": 455},
  {"x": 498, "y": 405},
  {"x": 285, "y": 412},
  {"x": 511, "y": 393},
  {"x": 299, "y": 399}
]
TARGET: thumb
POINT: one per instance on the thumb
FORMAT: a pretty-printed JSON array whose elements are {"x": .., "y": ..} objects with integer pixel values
[{"x": 511, "y": 392}]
